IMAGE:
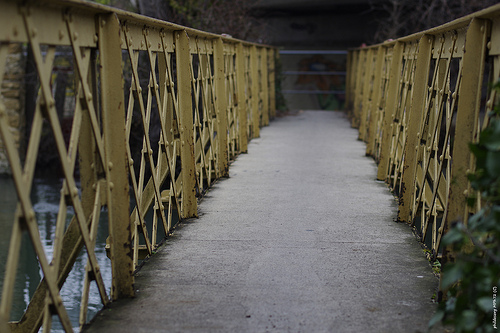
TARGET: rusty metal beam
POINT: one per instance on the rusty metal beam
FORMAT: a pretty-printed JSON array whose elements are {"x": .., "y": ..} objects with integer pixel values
[
  {"x": 113, "y": 119},
  {"x": 221, "y": 109},
  {"x": 182, "y": 56}
]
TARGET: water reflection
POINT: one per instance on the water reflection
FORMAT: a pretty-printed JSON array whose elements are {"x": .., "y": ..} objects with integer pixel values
[
  {"x": 45, "y": 198},
  {"x": 28, "y": 276}
]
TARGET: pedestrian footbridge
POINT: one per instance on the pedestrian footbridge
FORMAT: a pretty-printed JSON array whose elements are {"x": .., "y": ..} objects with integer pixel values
[{"x": 185, "y": 202}]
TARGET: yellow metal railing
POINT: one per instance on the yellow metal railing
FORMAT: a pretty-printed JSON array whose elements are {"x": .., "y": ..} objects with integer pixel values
[
  {"x": 158, "y": 112},
  {"x": 418, "y": 102}
]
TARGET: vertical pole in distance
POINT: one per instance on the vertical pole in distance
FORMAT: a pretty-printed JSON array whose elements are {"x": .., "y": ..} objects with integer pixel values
[
  {"x": 375, "y": 103},
  {"x": 189, "y": 207},
  {"x": 354, "y": 64},
  {"x": 367, "y": 103},
  {"x": 221, "y": 108},
  {"x": 242, "y": 97},
  {"x": 254, "y": 73},
  {"x": 348, "y": 80},
  {"x": 358, "y": 90},
  {"x": 272, "y": 81},
  {"x": 264, "y": 77},
  {"x": 113, "y": 120}
]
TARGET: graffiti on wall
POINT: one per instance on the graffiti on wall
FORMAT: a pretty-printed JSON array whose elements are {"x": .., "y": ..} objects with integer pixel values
[{"x": 323, "y": 81}]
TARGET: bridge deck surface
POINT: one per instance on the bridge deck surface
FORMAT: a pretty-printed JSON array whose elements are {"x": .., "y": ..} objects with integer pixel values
[{"x": 300, "y": 238}]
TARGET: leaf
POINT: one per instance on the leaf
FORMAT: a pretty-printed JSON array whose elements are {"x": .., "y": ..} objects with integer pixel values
[
  {"x": 438, "y": 316},
  {"x": 485, "y": 304},
  {"x": 471, "y": 201},
  {"x": 454, "y": 235},
  {"x": 451, "y": 274},
  {"x": 468, "y": 320},
  {"x": 490, "y": 137},
  {"x": 451, "y": 304},
  {"x": 485, "y": 223},
  {"x": 493, "y": 163},
  {"x": 478, "y": 151},
  {"x": 476, "y": 218}
]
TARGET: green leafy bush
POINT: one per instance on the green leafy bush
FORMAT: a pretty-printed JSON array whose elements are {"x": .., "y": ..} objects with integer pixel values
[{"x": 472, "y": 279}]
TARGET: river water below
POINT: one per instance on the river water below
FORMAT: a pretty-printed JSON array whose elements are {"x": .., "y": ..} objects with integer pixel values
[{"x": 45, "y": 198}]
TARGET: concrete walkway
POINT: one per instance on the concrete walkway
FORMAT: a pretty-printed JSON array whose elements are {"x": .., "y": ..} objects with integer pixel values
[{"x": 300, "y": 238}]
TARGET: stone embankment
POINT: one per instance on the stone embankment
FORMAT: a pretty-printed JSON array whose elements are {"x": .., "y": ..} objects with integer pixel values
[{"x": 12, "y": 98}]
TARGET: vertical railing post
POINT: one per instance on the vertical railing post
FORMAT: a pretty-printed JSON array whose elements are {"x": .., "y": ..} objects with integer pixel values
[
  {"x": 469, "y": 96},
  {"x": 113, "y": 121},
  {"x": 419, "y": 93},
  {"x": 242, "y": 98},
  {"x": 254, "y": 73},
  {"x": 264, "y": 86},
  {"x": 221, "y": 108},
  {"x": 348, "y": 80},
  {"x": 358, "y": 91},
  {"x": 354, "y": 68},
  {"x": 272, "y": 54},
  {"x": 390, "y": 109},
  {"x": 189, "y": 206},
  {"x": 366, "y": 105},
  {"x": 375, "y": 102}
]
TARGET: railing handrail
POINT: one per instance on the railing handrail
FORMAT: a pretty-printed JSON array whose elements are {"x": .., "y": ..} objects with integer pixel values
[{"x": 124, "y": 15}]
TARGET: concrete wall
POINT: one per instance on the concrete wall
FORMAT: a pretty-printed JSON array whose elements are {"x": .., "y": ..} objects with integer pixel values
[{"x": 330, "y": 24}]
